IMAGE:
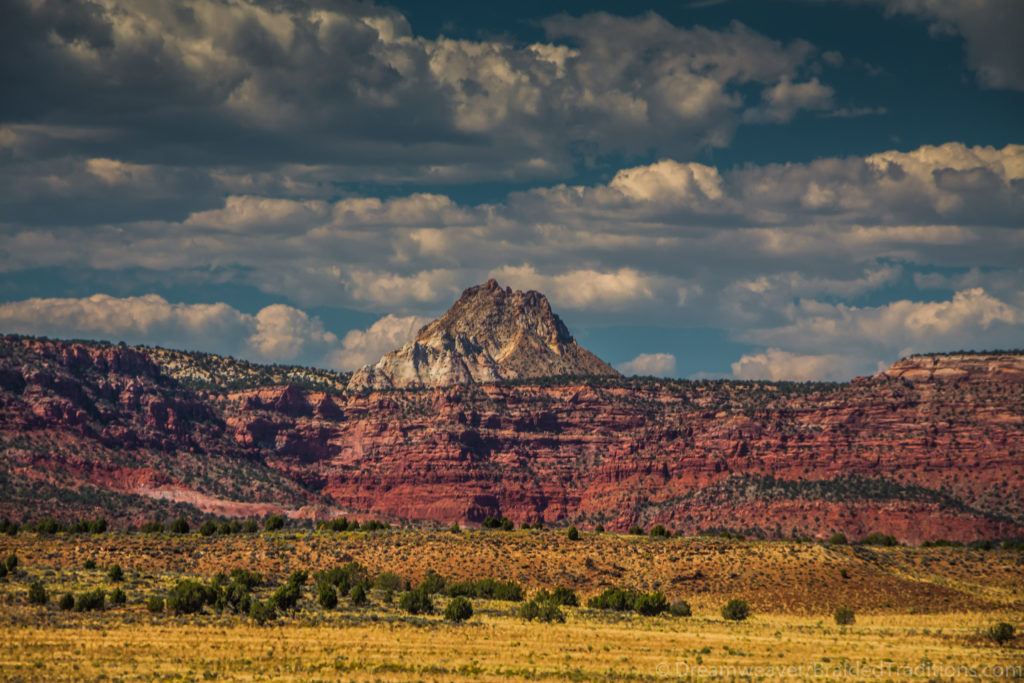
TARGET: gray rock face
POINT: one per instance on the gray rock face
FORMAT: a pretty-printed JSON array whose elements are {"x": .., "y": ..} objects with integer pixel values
[{"x": 488, "y": 335}]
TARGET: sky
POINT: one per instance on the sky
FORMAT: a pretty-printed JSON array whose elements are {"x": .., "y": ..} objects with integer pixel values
[{"x": 751, "y": 189}]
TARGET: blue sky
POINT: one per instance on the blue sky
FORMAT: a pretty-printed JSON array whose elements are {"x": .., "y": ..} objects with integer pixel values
[{"x": 760, "y": 189}]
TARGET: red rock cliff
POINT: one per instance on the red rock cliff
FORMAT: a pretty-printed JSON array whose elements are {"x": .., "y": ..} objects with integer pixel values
[{"x": 932, "y": 448}]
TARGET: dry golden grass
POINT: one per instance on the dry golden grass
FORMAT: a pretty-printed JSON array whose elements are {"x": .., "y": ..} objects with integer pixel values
[
  {"x": 796, "y": 578},
  {"x": 917, "y": 610}
]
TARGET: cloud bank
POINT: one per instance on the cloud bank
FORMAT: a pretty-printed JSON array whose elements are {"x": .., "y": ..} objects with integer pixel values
[
  {"x": 275, "y": 334},
  {"x": 656, "y": 364}
]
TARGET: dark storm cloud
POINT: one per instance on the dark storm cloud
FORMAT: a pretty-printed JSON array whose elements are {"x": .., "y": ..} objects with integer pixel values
[{"x": 213, "y": 83}]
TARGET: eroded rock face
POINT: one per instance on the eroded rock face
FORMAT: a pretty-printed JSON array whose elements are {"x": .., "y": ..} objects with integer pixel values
[
  {"x": 92, "y": 429},
  {"x": 958, "y": 366},
  {"x": 932, "y": 448},
  {"x": 488, "y": 335}
]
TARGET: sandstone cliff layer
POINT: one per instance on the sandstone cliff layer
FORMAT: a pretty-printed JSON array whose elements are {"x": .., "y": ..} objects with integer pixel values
[{"x": 932, "y": 448}]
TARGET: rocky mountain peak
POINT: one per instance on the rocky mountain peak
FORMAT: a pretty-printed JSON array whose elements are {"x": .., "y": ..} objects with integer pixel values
[{"x": 490, "y": 333}]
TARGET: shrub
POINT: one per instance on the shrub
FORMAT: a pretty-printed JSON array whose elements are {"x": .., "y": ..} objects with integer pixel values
[
  {"x": 660, "y": 532},
  {"x": 432, "y": 583},
  {"x": 188, "y": 597},
  {"x": 614, "y": 599},
  {"x": 680, "y": 608},
  {"x": 234, "y": 596},
  {"x": 565, "y": 596},
  {"x": 343, "y": 578},
  {"x": 458, "y": 609},
  {"x": 485, "y": 588},
  {"x": 286, "y": 596},
  {"x": 48, "y": 525},
  {"x": 3, "y": 570},
  {"x": 262, "y": 612},
  {"x": 878, "y": 538},
  {"x": 327, "y": 596},
  {"x": 501, "y": 590},
  {"x": 155, "y": 604},
  {"x": 844, "y": 616},
  {"x": 837, "y": 539},
  {"x": 208, "y": 528},
  {"x": 454, "y": 528},
  {"x": 389, "y": 581},
  {"x": 231, "y": 591},
  {"x": 573, "y": 534},
  {"x": 115, "y": 573},
  {"x": 179, "y": 526},
  {"x": 78, "y": 527},
  {"x": 541, "y": 608},
  {"x": 1013, "y": 545},
  {"x": 736, "y": 610},
  {"x": 228, "y": 528},
  {"x": 599, "y": 528},
  {"x": 982, "y": 544},
  {"x": 339, "y": 524},
  {"x": 8, "y": 527},
  {"x": 375, "y": 525},
  {"x": 416, "y": 601},
  {"x": 358, "y": 595},
  {"x": 273, "y": 523},
  {"x": 89, "y": 564},
  {"x": 152, "y": 528},
  {"x": 298, "y": 577},
  {"x": 11, "y": 562},
  {"x": 651, "y": 604},
  {"x": 507, "y": 524},
  {"x": 1000, "y": 633},
  {"x": 89, "y": 601},
  {"x": 250, "y": 526},
  {"x": 37, "y": 594},
  {"x": 98, "y": 526},
  {"x": 462, "y": 588},
  {"x": 636, "y": 530},
  {"x": 67, "y": 602},
  {"x": 490, "y": 523},
  {"x": 118, "y": 597},
  {"x": 246, "y": 578}
]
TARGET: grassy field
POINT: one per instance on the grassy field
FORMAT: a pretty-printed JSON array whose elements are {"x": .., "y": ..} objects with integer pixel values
[{"x": 919, "y": 612}]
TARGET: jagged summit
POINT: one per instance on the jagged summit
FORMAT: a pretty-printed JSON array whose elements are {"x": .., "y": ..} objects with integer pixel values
[{"x": 490, "y": 333}]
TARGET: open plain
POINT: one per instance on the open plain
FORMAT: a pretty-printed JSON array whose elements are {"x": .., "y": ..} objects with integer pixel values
[{"x": 920, "y": 613}]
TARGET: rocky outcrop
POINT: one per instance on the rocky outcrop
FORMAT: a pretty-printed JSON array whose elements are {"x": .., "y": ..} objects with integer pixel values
[
  {"x": 932, "y": 448},
  {"x": 489, "y": 334},
  {"x": 94, "y": 429},
  {"x": 958, "y": 366}
]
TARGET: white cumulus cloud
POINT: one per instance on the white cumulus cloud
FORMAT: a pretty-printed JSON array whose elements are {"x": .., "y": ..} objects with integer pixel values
[
  {"x": 277, "y": 333},
  {"x": 362, "y": 347},
  {"x": 972, "y": 317},
  {"x": 583, "y": 288},
  {"x": 656, "y": 364},
  {"x": 778, "y": 365}
]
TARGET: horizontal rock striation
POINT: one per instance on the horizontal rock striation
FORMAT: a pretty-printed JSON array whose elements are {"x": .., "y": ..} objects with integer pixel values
[{"x": 931, "y": 448}]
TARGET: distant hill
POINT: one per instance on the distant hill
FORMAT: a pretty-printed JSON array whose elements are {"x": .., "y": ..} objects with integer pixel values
[
  {"x": 931, "y": 448},
  {"x": 197, "y": 370}
]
